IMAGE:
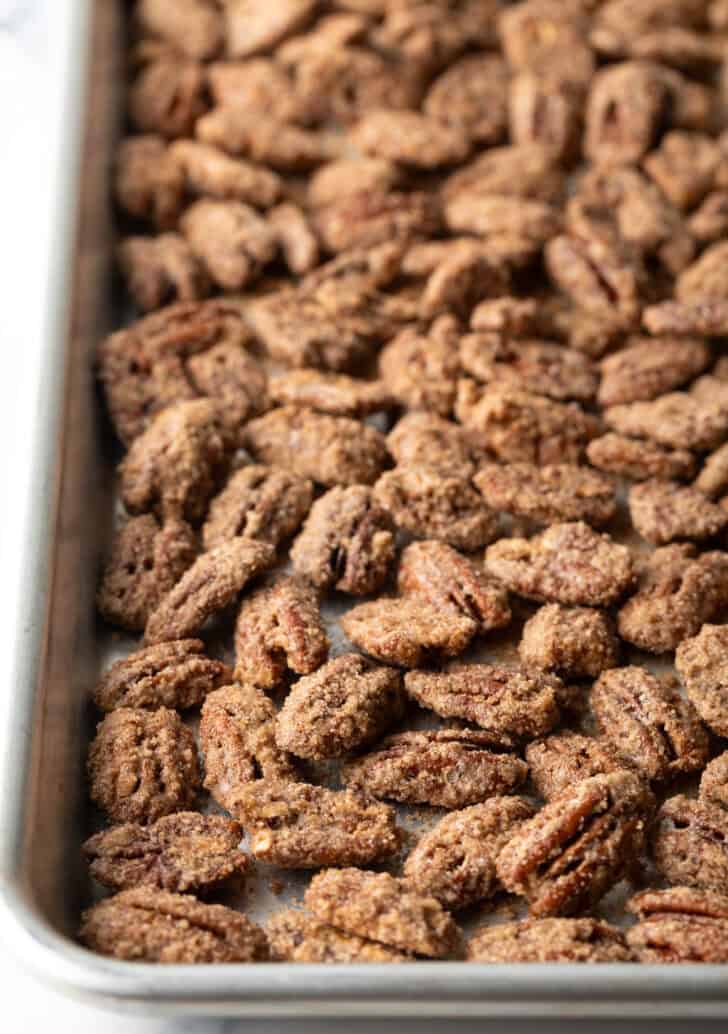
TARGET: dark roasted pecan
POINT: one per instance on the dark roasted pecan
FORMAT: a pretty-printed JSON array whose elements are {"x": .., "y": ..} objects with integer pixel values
[
  {"x": 295, "y": 936},
  {"x": 639, "y": 460},
  {"x": 679, "y": 925},
  {"x": 344, "y": 705},
  {"x": 297, "y": 826},
  {"x": 555, "y": 492},
  {"x": 279, "y": 629},
  {"x": 559, "y": 762},
  {"x": 549, "y": 940},
  {"x": 577, "y": 641},
  {"x": 648, "y": 723},
  {"x": 578, "y": 846},
  {"x": 566, "y": 563},
  {"x": 180, "y": 852},
  {"x": 701, "y": 664},
  {"x": 689, "y": 843},
  {"x": 531, "y": 365},
  {"x": 149, "y": 925},
  {"x": 347, "y": 542},
  {"x": 212, "y": 583},
  {"x": 143, "y": 765},
  {"x": 448, "y": 768},
  {"x": 175, "y": 675},
  {"x": 455, "y": 861},
  {"x": 663, "y": 511},
  {"x": 258, "y": 502}
]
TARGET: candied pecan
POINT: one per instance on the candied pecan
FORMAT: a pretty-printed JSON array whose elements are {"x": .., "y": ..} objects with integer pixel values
[
  {"x": 193, "y": 27},
  {"x": 577, "y": 641},
  {"x": 237, "y": 738},
  {"x": 375, "y": 217},
  {"x": 428, "y": 35},
  {"x": 344, "y": 705},
  {"x": 684, "y": 167},
  {"x": 347, "y": 542},
  {"x": 447, "y": 579},
  {"x": 689, "y": 843},
  {"x": 148, "y": 183},
  {"x": 455, "y": 861},
  {"x": 598, "y": 276},
  {"x": 279, "y": 629},
  {"x": 506, "y": 701},
  {"x": 712, "y": 480},
  {"x": 617, "y": 23},
  {"x": 407, "y": 630},
  {"x": 488, "y": 215},
  {"x": 639, "y": 460},
  {"x": 540, "y": 367},
  {"x": 175, "y": 465},
  {"x": 714, "y": 782},
  {"x": 167, "y": 96},
  {"x": 421, "y": 371},
  {"x": 431, "y": 505},
  {"x": 175, "y": 675},
  {"x": 649, "y": 367},
  {"x": 213, "y": 173},
  {"x": 708, "y": 318},
  {"x": 472, "y": 96},
  {"x": 143, "y": 765},
  {"x": 295, "y": 237},
  {"x": 146, "y": 562},
  {"x": 297, "y": 826},
  {"x": 701, "y": 664},
  {"x": 663, "y": 511},
  {"x": 253, "y": 26},
  {"x": 257, "y": 85},
  {"x": 547, "y": 112},
  {"x": 285, "y": 147},
  {"x": 258, "y": 502},
  {"x": 706, "y": 278},
  {"x": 328, "y": 449},
  {"x": 385, "y": 909},
  {"x": 549, "y": 940},
  {"x": 448, "y": 768},
  {"x": 625, "y": 110},
  {"x": 331, "y": 393},
  {"x": 541, "y": 35},
  {"x": 557, "y": 763},
  {"x": 566, "y": 563},
  {"x": 578, "y": 846},
  {"x": 559, "y": 491},
  {"x": 231, "y": 240},
  {"x": 677, "y": 592},
  {"x": 709, "y": 222},
  {"x": 509, "y": 316},
  {"x": 519, "y": 427},
  {"x": 179, "y": 852},
  {"x": 145, "y": 924},
  {"x": 410, "y": 138},
  {"x": 212, "y": 583},
  {"x": 677, "y": 419},
  {"x": 159, "y": 270},
  {"x": 424, "y": 440},
  {"x": 460, "y": 281},
  {"x": 296, "y": 937},
  {"x": 522, "y": 170},
  {"x": 679, "y": 925},
  {"x": 648, "y": 723},
  {"x": 348, "y": 176},
  {"x": 234, "y": 378}
]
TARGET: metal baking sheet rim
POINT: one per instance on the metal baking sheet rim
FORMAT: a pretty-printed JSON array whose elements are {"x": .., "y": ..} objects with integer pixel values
[{"x": 429, "y": 989}]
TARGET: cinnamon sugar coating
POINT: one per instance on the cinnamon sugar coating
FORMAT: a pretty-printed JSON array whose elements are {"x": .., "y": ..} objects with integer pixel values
[
  {"x": 428, "y": 441},
  {"x": 688, "y": 843},
  {"x": 296, "y": 936},
  {"x": 639, "y": 459},
  {"x": 575, "y": 641},
  {"x": 681, "y": 924},
  {"x": 148, "y": 183},
  {"x": 537, "y": 366},
  {"x": 700, "y": 662},
  {"x": 649, "y": 367},
  {"x": 676, "y": 420},
  {"x": 407, "y": 630},
  {"x": 566, "y": 758},
  {"x": 258, "y": 502},
  {"x": 663, "y": 511},
  {"x": 555, "y": 492},
  {"x": 336, "y": 394},
  {"x": 549, "y": 940}
]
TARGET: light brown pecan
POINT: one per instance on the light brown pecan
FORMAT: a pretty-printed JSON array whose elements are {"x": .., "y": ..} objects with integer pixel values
[
  {"x": 143, "y": 765},
  {"x": 566, "y": 563},
  {"x": 281, "y": 145},
  {"x": 330, "y": 450},
  {"x": 367, "y": 219},
  {"x": 230, "y": 239},
  {"x": 331, "y": 393},
  {"x": 175, "y": 675},
  {"x": 344, "y": 705},
  {"x": 578, "y": 846},
  {"x": 625, "y": 110},
  {"x": 431, "y": 505},
  {"x": 181, "y": 852},
  {"x": 193, "y": 27},
  {"x": 472, "y": 96},
  {"x": 234, "y": 379},
  {"x": 541, "y": 35},
  {"x": 210, "y": 172},
  {"x": 149, "y": 925},
  {"x": 709, "y": 222},
  {"x": 524, "y": 170},
  {"x": 448, "y": 768},
  {"x": 648, "y": 723},
  {"x": 256, "y": 85},
  {"x": 464, "y": 277},
  {"x": 705, "y": 279},
  {"x": 598, "y": 276},
  {"x": 146, "y": 561},
  {"x": 167, "y": 96},
  {"x": 689, "y": 843},
  {"x": 279, "y": 629},
  {"x": 557, "y": 763},
  {"x": 148, "y": 183},
  {"x": 297, "y": 826},
  {"x": 509, "y": 316},
  {"x": 549, "y": 940},
  {"x": 547, "y": 111},
  {"x": 252, "y": 26},
  {"x": 663, "y": 511},
  {"x": 713, "y": 477},
  {"x": 555, "y": 492},
  {"x": 176, "y": 464},
  {"x": 575, "y": 641},
  {"x": 410, "y": 138},
  {"x": 382, "y": 908},
  {"x": 348, "y": 176},
  {"x": 531, "y": 365},
  {"x": 296, "y": 238},
  {"x": 519, "y": 427},
  {"x": 237, "y": 738},
  {"x": 677, "y": 420},
  {"x": 295, "y": 936},
  {"x": 638, "y": 459},
  {"x": 490, "y": 215},
  {"x": 649, "y": 367},
  {"x": 347, "y": 542},
  {"x": 678, "y": 591},
  {"x": 679, "y": 925},
  {"x": 507, "y": 701},
  {"x": 617, "y": 24},
  {"x": 422, "y": 370},
  {"x": 714, "y": 782},
  {"x": 447, "y": 579},
  {"x": 701, "y": 664},
  {"x": 684, "y": 167},
  {"x": 455, "y": 861},
  {"x": 428, "y": 441},
  {"x": 709, "y": 317},
  {"x": 258, "y": 502},
  {"x": 212, "y": 583}
]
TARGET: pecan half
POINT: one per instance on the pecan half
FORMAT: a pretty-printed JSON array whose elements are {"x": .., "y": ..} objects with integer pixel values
[
  {"x": 530, "y": 365},
  {"x": 701, "y": 664},
  {"x": 679, "y": 925},
  {"x": 689, "y": 843},
  {"x": 426, "y": 440},
  {"x": 663, "y": 511},
  {"x": 549, "y": 940},
  {"x": 421, "y": 371},
  {"x": 258, "y": 502},
  {"x": 714, "y": 782},
  {"x": 555, "y": 492},
  {"x": 213, "y": 173},
  {"x": 677, "y": 420},
  {"x": 626, "y": 107},
  {"x": 194, "y": 28},
  {"x": 251, "y": 28},
  {"x": 148, "y": 183},
  {"x": 370, "y": 218},
  {"x": 559, "y": 762},
  {"x": 639, "y": 460},
  {"x": 407, "y": 630},
  {"x": 472, "y": 96},
  {"x": 410, "y": 138},
  {"x": 599, "y": 277},
  {"x": 649, "y": 367},
  {"x": 709, "y": 317},
  {"x": 167, "y": 96},
  {"x": 577, "y": 641},
  {"x": 331, "y": 393},
  {"x": 295, "y": 936},
  {"x": 230, "y": 239}
]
